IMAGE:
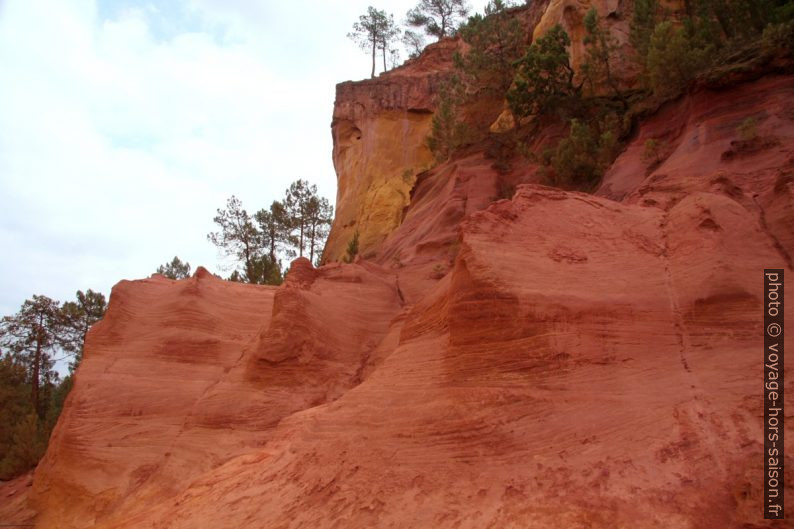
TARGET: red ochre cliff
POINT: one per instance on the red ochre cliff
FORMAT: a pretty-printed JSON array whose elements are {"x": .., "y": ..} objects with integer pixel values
[{"x": 553, "y": 359}]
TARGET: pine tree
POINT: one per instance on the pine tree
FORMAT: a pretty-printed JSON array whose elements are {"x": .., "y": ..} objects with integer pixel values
[
  {"x": 599, "y": 47},
  {"x": 15, "y": 405},
  {"x": 373, "y": 30},
  {"x": 389, "y": 34},
  {"x": 643, "y": 21},
  {"x": 33, "y": 336},
  {"x": 414, "y": 42},
  {"x": 320, "y": 213},
  {"x": 176, "y": 269},
  {"x": 28, "y": 443},
  {"x": 544, "y": 78},
  {"x": 239, "y": 238},
  {"x": 297, "y": 202},
  {"x": 79, "y": 315},
  {"x": 276, "y": 228},
  {"x": 438, "y": 18},
  {"x": 447, "y": 131},
  {"x": 673, "y": 59}
]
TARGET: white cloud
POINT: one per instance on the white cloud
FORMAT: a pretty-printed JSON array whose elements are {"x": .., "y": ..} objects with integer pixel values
[{"x": 127, "y": 123}]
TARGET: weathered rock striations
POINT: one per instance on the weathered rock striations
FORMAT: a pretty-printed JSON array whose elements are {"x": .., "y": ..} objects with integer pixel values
[
  {"x": 536, "y": 387},
  {"x": 181, "y": 376},
  {"x": 145, "y": 412}
]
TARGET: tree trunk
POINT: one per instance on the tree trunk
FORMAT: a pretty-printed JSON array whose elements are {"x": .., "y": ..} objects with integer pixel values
[
  {"x": 36, "y": 368},
  {"x": 384, "y": 56},
  {"x": 311, "y": 243},
  {"x": 374, "y": 42},
  {"x": 250, "y": 265},
  {"x": 300, "y": 249},
  {"x": 273, "y": 245}
]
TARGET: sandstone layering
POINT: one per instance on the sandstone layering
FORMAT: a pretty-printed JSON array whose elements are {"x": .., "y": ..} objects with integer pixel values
[{"x": 546, "y": 359}]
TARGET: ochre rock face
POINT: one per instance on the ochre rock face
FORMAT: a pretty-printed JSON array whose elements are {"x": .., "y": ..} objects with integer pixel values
[
  {"x": 512, "y": 355},
  {"x": 380, "y": 127}
]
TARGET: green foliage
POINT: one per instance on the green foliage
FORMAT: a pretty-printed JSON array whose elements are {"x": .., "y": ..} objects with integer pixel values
[
  {"x": 33, "y": 337},
  {"x": 581, "y": 158},
  {"x": 726, "y": 20},
  {"x": 238, "y": 238},
  {"x": 414, "y": 42},
  {"x": 309, "y": 216},
  {"x": 79, "y": 315},
  {"x": 319, "y": 214},
  {"x": 31, "y": 396},
  {"x": 176, "y": 269},
  {"x": 486, "y": 69},
  {"x": 352, "y": 248},
  {"x": 290, "y": 227},
  {"x": 644, "y": 20},
  {"x": 599, "y": 47},
  {"x": 780, "y": 36},
  {"x": 437, "y": 18},
  {"x": 448, "y": 132},
  {"x": 14, "y": 407},
  {"x": 673, "y": 59},
  {"x": 390, "y": 33},
  {"x": 57, "y": 400},
  {"x": 496, "y": 41},
  {"x": 653, "y": 151},
  {"x": 715, "y": 36},
  {"x": 263, "y": 271},
  {"x": 544, "y": 79},
  {"x": 275, "y": 227},
  {"x": 28, "y": 443},
  {"x": 784, "y": 12}
]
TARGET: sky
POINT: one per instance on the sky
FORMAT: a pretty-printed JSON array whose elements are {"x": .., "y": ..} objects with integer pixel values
[{"x": 127, "y": 124}]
